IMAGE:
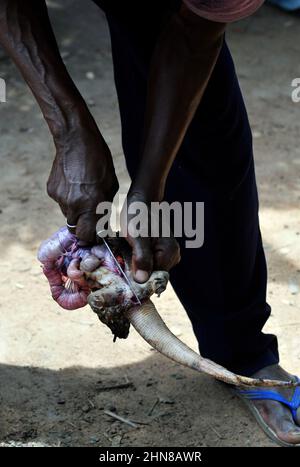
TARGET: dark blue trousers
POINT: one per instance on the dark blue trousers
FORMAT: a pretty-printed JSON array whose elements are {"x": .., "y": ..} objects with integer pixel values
[{"x": 221, "y": 285}]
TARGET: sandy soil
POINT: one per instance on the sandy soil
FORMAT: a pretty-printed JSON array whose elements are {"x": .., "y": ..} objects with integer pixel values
[{"x": 56, "y": 366}]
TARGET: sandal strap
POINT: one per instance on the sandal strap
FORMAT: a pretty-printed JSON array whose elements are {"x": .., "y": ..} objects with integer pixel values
[{"x": 292, "y": 404}]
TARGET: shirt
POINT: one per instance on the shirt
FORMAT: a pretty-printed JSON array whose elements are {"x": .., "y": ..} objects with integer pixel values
[{"x": 223, "y": 11}]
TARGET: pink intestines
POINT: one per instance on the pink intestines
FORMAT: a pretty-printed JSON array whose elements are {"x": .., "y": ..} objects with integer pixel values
[{"x": 61, "y": 257}]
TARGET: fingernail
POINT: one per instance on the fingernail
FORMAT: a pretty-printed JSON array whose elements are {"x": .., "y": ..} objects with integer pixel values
[{"x": 141, "y": 276}]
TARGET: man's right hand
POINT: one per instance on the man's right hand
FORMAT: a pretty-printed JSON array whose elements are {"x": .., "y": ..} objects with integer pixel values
[
  {"x": 82, "y": 176},
  {"x": 157, "y": 253}
]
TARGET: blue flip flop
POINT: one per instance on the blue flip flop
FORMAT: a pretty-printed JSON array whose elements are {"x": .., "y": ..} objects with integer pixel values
[
  {"x": 286, "y": 5},
  {"x": 247, "y": 396}
]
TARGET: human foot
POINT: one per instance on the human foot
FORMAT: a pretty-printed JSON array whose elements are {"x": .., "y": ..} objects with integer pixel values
[{"x": 275, "y": 418}]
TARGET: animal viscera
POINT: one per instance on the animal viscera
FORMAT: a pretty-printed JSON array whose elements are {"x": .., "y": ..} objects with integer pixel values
[{"x": 78, "y": 276}]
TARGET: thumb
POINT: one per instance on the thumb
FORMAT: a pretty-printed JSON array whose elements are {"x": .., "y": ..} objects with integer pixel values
[
  {"x": 142, "y": 258},
  {"x": 86, "y": 226}
]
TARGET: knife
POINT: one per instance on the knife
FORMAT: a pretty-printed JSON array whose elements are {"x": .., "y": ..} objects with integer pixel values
[{"x": 118, "y": 266}]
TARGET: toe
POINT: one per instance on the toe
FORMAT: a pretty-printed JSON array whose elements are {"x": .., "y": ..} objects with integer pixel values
[
  {"x": 292, "y": 436},
  {"x": 286, "y": 429},
  {"x": 279, "y": 419}
]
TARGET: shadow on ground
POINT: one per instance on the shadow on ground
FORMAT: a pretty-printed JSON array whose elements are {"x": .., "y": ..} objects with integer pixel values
[{"x": 66, "y": 407}]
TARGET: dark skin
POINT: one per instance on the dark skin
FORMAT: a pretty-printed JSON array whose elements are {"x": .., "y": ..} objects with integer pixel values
[{"x": 83, "y": 173}]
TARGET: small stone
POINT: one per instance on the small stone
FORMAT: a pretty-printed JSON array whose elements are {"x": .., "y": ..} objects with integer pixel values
[
  {"x": 284, "y": 250},
  {"x": 24, "y": 108},
  {"x": 177, "y": 376},
  {"x": 86, "y": 408},
  {"x": 162, "y": 400},
  {"x": 64, "y": 54},
  {"x": 293, "y": 287},
  {"x": 91, "y": 102},
  {"x": 116, "y": 441},
  {"x": 66, "y": 42},
  {"x": 94, "y": 439},
  {"x": 26, "y": 130},
  {"x": 90, "y": 75}
]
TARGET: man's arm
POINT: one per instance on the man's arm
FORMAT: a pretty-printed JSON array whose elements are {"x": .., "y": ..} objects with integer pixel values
[
  {"x": 182, "y": 64},
  {"x": 27, "y": 36},
  {"x": 82, "y": 174}
]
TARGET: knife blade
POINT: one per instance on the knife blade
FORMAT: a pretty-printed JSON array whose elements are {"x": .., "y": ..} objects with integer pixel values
[{"x": 118, "y": 266}]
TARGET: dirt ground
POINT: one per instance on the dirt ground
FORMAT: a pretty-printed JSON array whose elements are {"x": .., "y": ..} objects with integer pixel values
[{"x": 56, "y": 367}]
